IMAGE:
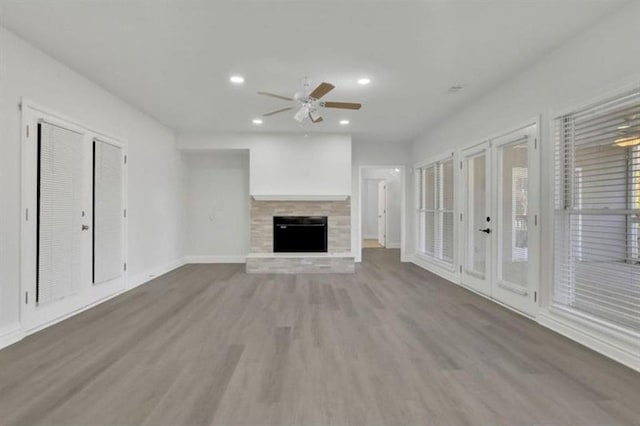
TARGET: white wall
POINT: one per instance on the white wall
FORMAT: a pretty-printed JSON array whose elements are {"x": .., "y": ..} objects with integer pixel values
[
  {"x": 155, "y": 168},
  {"x": 592, "y": 65},
  {"x": 371, "y": 178},
  {"x": 295, "y": 165},
  {"x": 217, "y": 190},
  {"x": 286, "y": 164}
]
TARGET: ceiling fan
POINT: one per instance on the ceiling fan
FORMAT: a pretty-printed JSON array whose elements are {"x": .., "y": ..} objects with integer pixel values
[{"x": 308, "y": 104}]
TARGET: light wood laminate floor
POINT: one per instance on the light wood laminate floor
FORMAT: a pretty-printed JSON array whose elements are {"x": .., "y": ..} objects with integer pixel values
[
  {"x": 389, "y": 345},
  {"x": 371, "y": 244}
]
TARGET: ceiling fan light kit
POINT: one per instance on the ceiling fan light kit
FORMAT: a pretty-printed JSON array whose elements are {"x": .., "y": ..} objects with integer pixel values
[
  {"x": 309, "y": 104},
  {"x": 301, "y": 114}
]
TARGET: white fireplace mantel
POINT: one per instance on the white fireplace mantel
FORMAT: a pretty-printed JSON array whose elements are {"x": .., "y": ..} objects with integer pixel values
[{"x": 280, "y": 197}]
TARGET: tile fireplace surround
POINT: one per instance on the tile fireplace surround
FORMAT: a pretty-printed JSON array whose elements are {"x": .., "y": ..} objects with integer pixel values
[{"x": 338, "y": 259}]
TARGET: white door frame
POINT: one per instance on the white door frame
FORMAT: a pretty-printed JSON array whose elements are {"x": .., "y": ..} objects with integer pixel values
[
  {"x": 357, "y": 241},
  {"x": 30, "y": 320}
]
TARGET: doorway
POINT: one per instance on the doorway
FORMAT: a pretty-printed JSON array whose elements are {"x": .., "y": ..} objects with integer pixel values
[
  {"x": 499, "y": 219},
  {"x": 381, "y": 207}
]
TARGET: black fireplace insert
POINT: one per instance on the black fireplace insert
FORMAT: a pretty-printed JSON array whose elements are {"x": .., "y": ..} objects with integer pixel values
[{"x": 299, "y": 234}]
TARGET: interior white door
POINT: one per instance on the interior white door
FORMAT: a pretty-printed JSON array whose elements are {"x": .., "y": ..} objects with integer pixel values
[
  {"x": 515, "y": 206},
  {"x": 477, "y": 227},
  {"x": 108, "y": 213},
  {"x": 382, "y": 213}
]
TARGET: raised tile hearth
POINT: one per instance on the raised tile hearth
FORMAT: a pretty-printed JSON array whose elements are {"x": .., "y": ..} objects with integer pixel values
[{"x": 297, "y": 263}]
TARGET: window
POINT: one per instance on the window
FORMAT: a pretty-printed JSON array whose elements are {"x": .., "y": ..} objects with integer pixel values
[
  {"x": 597, "y": 206},
  {"x": 436, "y": 211}
]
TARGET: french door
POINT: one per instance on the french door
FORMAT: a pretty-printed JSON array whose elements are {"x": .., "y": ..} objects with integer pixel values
[
  {"x": 499, "y": 220},
  {"x": 73, "y": 229},
  {"x": 476, "y": 266}
]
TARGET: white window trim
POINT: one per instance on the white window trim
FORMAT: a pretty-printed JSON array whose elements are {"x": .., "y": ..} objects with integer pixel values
[
  {"x": 449, "y": 271},
  {"x": 606, "y": 338}
]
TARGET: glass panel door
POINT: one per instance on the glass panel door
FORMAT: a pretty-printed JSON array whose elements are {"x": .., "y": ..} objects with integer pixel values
[
  {"x": 514, "y": 236},
  {"x": 498, "y": 223},
  {"x": 476, "y": 218},
  {"x": 513, "y": 224}
]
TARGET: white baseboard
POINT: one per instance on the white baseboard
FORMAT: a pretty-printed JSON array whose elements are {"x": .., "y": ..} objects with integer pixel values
[
  {"x": 436, "y": 269},
  {"x": 598, "y": 337},
  {"x": 139, "y": 279},
  {"x": 216, "y": 259},
  {"x": 621, "y": 348},
  {"x": 10, "y": 335},
  {"x": 14, "y": 333}
]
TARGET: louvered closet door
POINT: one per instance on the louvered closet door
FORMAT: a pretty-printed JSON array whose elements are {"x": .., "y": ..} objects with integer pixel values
[
  {"x": 108, "y": 212},
  {"x": 72, "y": 251},
  {"x": 61, "y": 238}
]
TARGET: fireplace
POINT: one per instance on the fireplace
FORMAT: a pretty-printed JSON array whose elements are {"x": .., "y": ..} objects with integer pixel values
[{"x": 299, "y": 234}]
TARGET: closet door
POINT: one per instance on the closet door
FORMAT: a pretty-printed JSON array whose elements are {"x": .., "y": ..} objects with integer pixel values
[
  {"x": 73, "y": 229},
  {"x": 63, "y": 219},
  {"x": 108, "y": 213}
]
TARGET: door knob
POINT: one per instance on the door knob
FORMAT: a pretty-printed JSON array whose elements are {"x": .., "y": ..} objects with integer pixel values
[
  {"x": 485, "y": 230},
  {"x": 85, "y": 227}
]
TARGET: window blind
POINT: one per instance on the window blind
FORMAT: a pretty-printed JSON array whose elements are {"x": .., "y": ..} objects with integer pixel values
[
  {"x": 107, "y": 211},
  {"x": 59, "y": 213},
  {"x": 436, "y": 211},
  {"x": 597, "y": 205}
]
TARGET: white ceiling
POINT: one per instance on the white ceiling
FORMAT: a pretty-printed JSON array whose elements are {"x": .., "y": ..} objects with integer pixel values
[{"x": 173, "y": 58}]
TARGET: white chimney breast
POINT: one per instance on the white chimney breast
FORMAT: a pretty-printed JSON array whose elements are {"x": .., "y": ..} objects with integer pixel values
[{"x": 295, "y": 167}]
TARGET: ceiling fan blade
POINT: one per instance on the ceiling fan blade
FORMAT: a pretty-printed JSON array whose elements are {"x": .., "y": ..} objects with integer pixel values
[
  {"x": 273, "y": 95},
  {"x": 276, "y": 112},
  {"x": 319, "y": 119},
  {"x": 321, "y": 90},
  {"x": 342, "y": 105}
]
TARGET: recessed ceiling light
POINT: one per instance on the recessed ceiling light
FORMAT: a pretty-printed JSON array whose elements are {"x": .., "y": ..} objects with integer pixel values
[
  {"x": 364, "y": 81},
  {"x": 344, "y": 122},
  {"x": 236, "y": 79},
  {"x": 257, "y": 121}
]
